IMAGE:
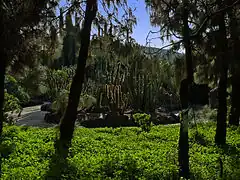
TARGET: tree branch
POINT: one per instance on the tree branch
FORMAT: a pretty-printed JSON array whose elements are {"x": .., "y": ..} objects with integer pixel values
[
  {"x": 207, "y": 18},
  {"x": 75, "y": 4},
  {"x": 151, "y": 32},
  {"x": 172, "y": 44}
]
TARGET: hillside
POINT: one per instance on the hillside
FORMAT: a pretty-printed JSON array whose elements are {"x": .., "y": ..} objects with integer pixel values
[{"x": 165, "y": 54}]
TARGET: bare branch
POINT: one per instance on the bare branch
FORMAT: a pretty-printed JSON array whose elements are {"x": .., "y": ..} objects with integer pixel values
[{"x": 151, "y": 32}]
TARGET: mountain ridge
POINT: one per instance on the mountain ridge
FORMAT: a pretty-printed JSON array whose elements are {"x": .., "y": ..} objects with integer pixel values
[{"x": 164, "y": 54}]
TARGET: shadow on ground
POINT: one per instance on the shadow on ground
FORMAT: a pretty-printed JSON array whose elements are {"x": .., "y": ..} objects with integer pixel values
[{"x": 59, "y": 167}]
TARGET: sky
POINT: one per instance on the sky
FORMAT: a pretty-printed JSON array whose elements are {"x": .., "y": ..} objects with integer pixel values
[{"x": 143, "y": 26}]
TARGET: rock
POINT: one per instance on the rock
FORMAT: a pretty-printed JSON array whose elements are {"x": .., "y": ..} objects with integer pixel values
[
  {"x": 161, "y": 109},
  {"x": 47, "y": 107},
  {"x": 130, "y": 111},
  {"x": 94, "y": 109},
  {"x": 86, "y": 116},
  {"x": 119, "y": 120},
  {"x": 110, "y": 121},
  {"x": 81, "y": 116},
  {"x": 162, "y": 116},
  {"x": 52, "y": 118}
]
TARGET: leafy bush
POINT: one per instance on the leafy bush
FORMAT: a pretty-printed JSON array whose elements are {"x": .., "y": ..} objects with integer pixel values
[
  {"x": 31, "y": 79},
  {"x": 15, "y": 89},
  {"x": 143, "y": 120},
  {"x": 11, "y": 103},
  {"x": 60, "y": 104},
  {"x": 206, "y": 114},
  {"x": 56, "y": 81},
  {"x": 87, "y": 101}
]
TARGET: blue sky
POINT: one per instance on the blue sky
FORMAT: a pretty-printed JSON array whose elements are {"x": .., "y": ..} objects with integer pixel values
[{"x": 143, "y": 23}]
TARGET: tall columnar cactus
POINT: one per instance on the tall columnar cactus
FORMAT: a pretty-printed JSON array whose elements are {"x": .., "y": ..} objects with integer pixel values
[{"x": 114, "y": 96}]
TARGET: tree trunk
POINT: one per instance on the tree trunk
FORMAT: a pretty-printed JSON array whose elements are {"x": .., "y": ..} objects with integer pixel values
[
  {"x": 2, "y": 78},
  {"x": 183, "y": 156},
  {"x": 68, "y": 121},
  {"x": 235, "y": 110},
  {"x": 187, "y": 44},
  {"x": 235, "y": 99},
  {"x": 183, "y": 146},
  {"x": 220, "y": 137},
  {"x": 3, "y": 61}
]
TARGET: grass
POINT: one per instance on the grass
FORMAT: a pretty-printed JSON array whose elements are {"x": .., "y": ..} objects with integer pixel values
[{"x": 121, "y": 153}]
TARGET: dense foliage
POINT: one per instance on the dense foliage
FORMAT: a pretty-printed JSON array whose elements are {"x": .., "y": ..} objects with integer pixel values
[
  {"x": 11, "y": 103},
  {"x": 14, "y": 88},
  {"x": 143, "y": 120},
  {"x": 121, "y": 153}
]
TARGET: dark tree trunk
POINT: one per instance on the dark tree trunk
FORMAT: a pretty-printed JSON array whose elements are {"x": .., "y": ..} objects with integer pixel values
[
  {"x": 183, "y": 156},
  {"x": 220, "y": 137},
  {"x": 68, "y": 121},
  {"x": 3, "y": 61},
  {"x": 235, "y": 99},
  {"x": 2, "y": 78},
  {"x": 187, "y": 45},
  {"x": 183, "y": 147}
]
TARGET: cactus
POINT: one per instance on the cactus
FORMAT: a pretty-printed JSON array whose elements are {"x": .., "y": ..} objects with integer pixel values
[{"x": 113, "y": 96}]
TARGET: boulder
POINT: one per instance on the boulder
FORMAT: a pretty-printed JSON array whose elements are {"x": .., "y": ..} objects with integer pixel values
[
  {"x": 98, "y": 110},
  {"x": 47, "y": 107},
  {"x": 109, "y": 121},
  {"x": 52, "y": 118},
  {"x": 86, "y": 116},
  {"x": 165, "y": 118},
  {"x": 162, "y": 116}
]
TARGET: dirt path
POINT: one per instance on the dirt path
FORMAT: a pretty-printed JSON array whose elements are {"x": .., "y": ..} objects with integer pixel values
[{"x": 33, "y": 116}]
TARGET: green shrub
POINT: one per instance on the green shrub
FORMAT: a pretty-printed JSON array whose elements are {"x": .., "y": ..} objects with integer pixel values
[
  {"x": 143, "y": 120},
  {"x": 60, "y": 103},
  {"x": 87, "y": 101},
  {"x": 56, "y": 81},
  {"x": 31, "y": 79},
  {"x": 11, "y": 103},
  {"x": 15, "y": 89},
  {"x": 206, "y": 114}
]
